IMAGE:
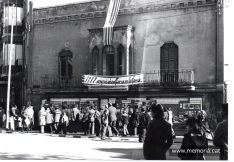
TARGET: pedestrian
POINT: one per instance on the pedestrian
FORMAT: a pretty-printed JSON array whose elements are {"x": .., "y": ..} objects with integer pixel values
[
  {"x": 158, "y": 135},
  {"x": 130, "y": 124},
  {"x": 104, "y": 123},
  {"x": 4, "y": 118},
  {"x": 97, "y": 121},
  {"x": 125, "y": 123},
  {"x": 134, "y": 119},
  {"x": 49, "y": 120},
  {"x": 170, "y": 120},
  {"x": 202, "y": 117},
  {"x": 19, "y": 122},
  {"x": 221, "y": 134},
  {"x": 85, "y": 121},
  {"x": 64, "y": 122},
  {"x": 119, "y": 124},
  {"x": 30, "y": 114},
  {"x": 75, "y": 118},
  {"x": 13, "y": 115},
  {"x": 166, "y": 114},
  {"x": 25, "y": 120},
  {"x": 91, "y": 119},
  {"x": 194, "y": 139},
  {"x": 57, "y": 118},
  {"x": 42, "y": 117},
  {"x": 143, "y": 121},
  {"x": 113, "y": 118}
]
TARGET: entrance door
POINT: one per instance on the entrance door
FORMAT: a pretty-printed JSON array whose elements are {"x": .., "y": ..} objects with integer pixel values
[
  {"x": 109, "y": 60},
  {"x": 169, "y": 64}
]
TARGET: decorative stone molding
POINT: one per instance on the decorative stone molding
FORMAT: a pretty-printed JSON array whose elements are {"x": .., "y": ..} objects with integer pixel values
[{"x": 99, "y": 10}]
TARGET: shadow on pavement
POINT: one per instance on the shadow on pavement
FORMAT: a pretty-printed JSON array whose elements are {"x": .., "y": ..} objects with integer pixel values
[
  {"x": 126, "y": 153},
  {"x": 11, "y": 156}
]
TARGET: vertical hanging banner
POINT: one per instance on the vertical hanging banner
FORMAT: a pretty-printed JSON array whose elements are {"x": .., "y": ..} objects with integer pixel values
[{"x": 111, "y": 17}]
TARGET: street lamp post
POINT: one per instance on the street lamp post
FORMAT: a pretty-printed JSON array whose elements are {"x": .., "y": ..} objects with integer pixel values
[{"x": 9, "y": 71}]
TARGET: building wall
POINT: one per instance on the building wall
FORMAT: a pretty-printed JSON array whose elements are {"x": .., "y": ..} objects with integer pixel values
[{"x": 193, "y": 29}]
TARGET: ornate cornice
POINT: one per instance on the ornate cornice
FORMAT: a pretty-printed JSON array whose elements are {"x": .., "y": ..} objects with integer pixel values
[
  {"x": 125, "y": 27},
  {"x": 100, "y": 12}
]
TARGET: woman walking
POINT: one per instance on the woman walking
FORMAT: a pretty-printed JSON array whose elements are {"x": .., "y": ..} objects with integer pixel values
[
  {"x": 125, "y": 122},
  {"x": 49, "y": 120},
  {"x": 194, "y": 139},
  {"x": 57, "y": 118},
  {"x": 42, "y": 119}
]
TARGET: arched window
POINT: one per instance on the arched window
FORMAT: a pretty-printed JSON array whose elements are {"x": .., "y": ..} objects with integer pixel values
[
  {"x": 120, "y": 63},
  {"x": 169, "y": 64},
  {"x": 65, "y": 65},
  {"x": 95, "y": 59},
  {"x": 109, "y": 60}
]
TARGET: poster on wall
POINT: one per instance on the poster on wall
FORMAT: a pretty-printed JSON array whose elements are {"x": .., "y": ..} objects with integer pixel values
[{"x": 103, "y": 103}]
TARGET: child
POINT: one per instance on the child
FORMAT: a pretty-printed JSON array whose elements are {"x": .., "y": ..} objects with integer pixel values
[{"x": 19, "y": 123}]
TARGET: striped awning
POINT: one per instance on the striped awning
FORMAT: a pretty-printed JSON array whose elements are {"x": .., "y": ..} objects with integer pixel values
[{"x": 111, "y": 17}]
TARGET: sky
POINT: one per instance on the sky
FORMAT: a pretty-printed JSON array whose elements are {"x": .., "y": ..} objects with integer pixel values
[{"x": 46, "y": 3}]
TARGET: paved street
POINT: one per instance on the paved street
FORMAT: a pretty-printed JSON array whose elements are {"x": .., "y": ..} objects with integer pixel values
[
  {"x": 44, "y": 147},
  {"x": 35, "y": 146}
]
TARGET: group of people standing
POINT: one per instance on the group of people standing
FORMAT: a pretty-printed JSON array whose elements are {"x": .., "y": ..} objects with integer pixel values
[
  {"x": 21, "y": 119},
  {"x": 102, "y": 122}
]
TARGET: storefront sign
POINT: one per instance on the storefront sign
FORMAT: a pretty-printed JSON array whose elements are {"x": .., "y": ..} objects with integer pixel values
[
  {"x": 112, "y": 80},
  {"x": 64, "y": 99},
  {"x": 126, "y": 101},
  {"x": 88, "y": 99}
]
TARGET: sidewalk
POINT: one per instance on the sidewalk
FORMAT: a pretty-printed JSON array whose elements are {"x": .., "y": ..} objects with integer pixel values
[{"x": 178, "y": 139}]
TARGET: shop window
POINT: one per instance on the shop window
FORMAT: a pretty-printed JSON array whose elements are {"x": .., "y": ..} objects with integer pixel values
[
  {"x": 120, "y": 60},
  {"x": 66, "y": 67},
  {"x": 109, "y": 60},
  {"x": 169, "y": 64},
  {"x": 95, "y": 56}
]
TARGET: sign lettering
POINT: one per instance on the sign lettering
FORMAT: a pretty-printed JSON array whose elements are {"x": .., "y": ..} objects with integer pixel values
[{"x": 112, "y": 80}]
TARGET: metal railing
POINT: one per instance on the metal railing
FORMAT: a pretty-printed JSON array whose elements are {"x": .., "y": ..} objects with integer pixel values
[
  {"x": 14, "y": 69},
  {"x": 169, "y": 78},
  {"x": 47, "y": 81},
  {"x": 154, "y": 78}
]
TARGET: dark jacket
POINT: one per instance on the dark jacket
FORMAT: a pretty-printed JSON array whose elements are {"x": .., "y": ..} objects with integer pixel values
[
  {"x": 193, "y": 146},
  {"x": 221, "y": 139},
  {"x": 143, "y": 119},
  {"x": 125, "y": 118},
  {"x": 133, "y": 120},
  {"x": 158, "y": 140}
]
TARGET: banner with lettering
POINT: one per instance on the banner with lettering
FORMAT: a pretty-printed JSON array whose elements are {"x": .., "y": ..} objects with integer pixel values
[{"x": 89, "y": 80}]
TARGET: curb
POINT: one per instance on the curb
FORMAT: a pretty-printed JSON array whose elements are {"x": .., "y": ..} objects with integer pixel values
[{"x": 116, "y": 139}]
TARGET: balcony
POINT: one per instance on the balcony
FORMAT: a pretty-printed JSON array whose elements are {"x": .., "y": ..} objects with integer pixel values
[
  {"x": 55, "y": 82},
  {"x": 161, "y": 79},
  {"x": 16, "y": 71}
]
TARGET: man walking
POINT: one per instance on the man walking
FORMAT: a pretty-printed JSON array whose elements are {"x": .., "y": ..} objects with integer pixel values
[
  {"x": 91, "y": 119},
  {"x": 158, "y": 135},
  {"x": 144, "y": 120},
  {"x": 113, "y": 118},
  {"x": 221, "y": 134},
  {"x": 104, "y": 122}
]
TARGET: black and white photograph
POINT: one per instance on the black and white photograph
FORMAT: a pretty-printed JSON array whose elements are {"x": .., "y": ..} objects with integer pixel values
[{"x": 114, "y": 80}]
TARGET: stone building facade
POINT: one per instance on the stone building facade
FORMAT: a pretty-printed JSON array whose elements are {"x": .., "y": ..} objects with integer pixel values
[{"x": 173, "y": 47}]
